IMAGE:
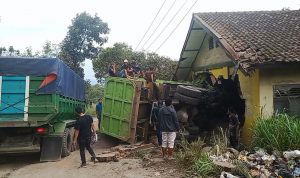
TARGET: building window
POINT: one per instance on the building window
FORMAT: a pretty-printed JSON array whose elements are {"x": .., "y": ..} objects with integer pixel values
[
  {"x": 211, "y": 43},
  {"x": 287, "y": 99}
]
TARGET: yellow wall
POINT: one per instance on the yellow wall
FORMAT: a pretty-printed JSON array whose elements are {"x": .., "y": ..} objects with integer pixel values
[
  {"x": 250, "y": 90},
  {"x": 271, "y": 77},
  {"x": 208, "y": 56},
  {"x": 220, "y": 71}
]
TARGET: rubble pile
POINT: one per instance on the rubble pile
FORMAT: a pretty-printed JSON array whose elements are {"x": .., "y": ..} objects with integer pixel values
[
  {"x": 121, "y": 151},
  {"x": 258, "y": 164}
]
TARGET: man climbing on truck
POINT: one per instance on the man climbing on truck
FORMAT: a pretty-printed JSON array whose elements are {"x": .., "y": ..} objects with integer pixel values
[
  {"x": 84, "y": 128},
  {"x": 150, "y": 77}
]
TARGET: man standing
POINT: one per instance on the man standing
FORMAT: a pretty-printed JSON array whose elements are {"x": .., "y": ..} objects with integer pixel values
[
  {"x": 155, "y": 112},
  {"x": 169, "y": 125},
  {"x": 99, "y": 112},
  {"x": 234, "y": 126},
  {"x": 84, "y": 128}
]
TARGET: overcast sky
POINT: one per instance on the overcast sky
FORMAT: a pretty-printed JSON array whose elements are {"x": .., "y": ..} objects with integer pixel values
[{"x": 32, "y": 22}]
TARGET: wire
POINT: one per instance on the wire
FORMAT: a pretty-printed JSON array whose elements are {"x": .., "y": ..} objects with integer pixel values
[
  {"x": 151, "y": 24},
  {"x": 165, "y": 27},
  {"x": 159, "y": 23},
  {"x": 176, "y": 27}
]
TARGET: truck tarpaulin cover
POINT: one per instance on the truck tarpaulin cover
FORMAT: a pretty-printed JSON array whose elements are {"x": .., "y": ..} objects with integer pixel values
[{"x": 59, "y": 78}]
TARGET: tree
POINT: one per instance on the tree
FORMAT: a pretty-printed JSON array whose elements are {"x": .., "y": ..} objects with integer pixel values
[
  {"x": 94, "y": 92},
  {"x": 116, "y": 54},
  {"x": 121, "y": 51},
  {"x": 2, "y": 49},
  {"x": 49, "y": 50},
  {"x": 11, "y": 49},
  {"x": 28, "y": 52},
  {"x": 83, "y": 41}
]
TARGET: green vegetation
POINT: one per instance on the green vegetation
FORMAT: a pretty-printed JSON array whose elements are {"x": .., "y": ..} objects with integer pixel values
[
  {"x": 189, "y": 152},
  {"x": 84, "y": 40},
  {"x": 121, "y": 51},
  {"x": 205, "y": 167},
  {"x": 94, "y": 92},
  {"x": 279, "y": 132},
  {"x": 192, "y": 158}
]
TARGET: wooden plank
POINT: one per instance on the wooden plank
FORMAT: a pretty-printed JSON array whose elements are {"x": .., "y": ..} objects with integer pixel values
[{"x": 135, "y": 106}]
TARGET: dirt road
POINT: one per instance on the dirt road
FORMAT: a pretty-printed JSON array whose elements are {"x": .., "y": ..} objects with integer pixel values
[{"x": 28, "y": 166}]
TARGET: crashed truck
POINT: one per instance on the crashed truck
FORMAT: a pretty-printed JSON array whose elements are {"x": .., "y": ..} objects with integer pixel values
[
  {"x": 201, "y": 105},
  {"x": 38, "y": 97}
]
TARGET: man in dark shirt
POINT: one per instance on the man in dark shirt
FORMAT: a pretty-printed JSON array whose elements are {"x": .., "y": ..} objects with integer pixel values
[
  {"x": 169, "y": 125},
  {"x": 112, "y": 70},
  {"x": 234, "y": 125},
  {"x": 84, "y": 128},
  {"x": 154, "y": 118},
  {"x": 126, "y": 70}
]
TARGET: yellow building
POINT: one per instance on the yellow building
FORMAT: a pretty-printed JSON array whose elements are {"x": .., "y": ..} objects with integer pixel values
[{"x": 263, "y": 46}]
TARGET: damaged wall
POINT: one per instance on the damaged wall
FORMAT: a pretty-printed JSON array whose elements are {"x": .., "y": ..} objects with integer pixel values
[
  {"x": 220, "y": 71},
  {"x": 250, "y": 90},
  {"x": 275, "y": 76}
]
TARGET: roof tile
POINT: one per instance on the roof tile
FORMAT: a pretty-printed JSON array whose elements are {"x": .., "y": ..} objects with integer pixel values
[{"x": 261, "y": 37}]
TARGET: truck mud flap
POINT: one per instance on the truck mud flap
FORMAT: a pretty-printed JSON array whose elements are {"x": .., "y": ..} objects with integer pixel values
[{"x": 51, "y": 149}]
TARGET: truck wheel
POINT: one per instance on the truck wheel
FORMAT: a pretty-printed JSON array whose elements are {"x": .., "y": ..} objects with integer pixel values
[
  {"x": 192, "y": 91},
  {"x": 193, "y": 130},
  {"x": 67, "y": 143},
  {"x": 73, "y": 147},
  {"x": 187, "y": 99}
]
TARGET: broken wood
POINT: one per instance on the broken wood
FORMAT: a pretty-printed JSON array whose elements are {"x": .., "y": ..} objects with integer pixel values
[{"x": 107, "y": 157}]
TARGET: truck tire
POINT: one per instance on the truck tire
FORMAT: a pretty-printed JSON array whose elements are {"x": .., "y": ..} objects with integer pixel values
[
  {"x": 67, "y": 143},
  {"x": 187, "y": 99},
  {"x": 192, "y": 91},
  {"x": 73, "y": 147},
  {"x": 193, "y": 130}
]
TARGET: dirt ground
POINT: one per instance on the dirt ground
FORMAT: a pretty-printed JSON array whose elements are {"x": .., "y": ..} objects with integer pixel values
[{"x": 28, "y": 166}]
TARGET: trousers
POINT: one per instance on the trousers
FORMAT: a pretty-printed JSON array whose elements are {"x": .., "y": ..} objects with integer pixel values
[{"x": 85, "y": 143}]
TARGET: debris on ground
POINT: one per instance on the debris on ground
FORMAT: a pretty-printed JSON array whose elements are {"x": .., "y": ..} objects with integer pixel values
[
  {"x": 259, "y": 164},
  {"x": 121, "y": 151}
]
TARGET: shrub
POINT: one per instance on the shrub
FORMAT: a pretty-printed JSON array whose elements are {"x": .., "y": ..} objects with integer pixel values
[
  {"x": 189, "y": 152},
  {"x": 279, "y": 132},
  {"x": 205, "y": 167},
  {"x": 191, "y": 157}
]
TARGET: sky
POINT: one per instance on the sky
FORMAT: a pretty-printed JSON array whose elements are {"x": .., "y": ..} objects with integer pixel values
[{"x": 32, "y": 22}]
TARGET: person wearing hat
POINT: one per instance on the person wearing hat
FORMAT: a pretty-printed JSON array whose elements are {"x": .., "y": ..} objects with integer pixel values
[
  {"x": 125, "y": 64},
  {"x": 126, "y": 69}
]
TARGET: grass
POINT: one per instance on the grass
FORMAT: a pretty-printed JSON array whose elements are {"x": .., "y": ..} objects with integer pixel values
[
  {"x": 192, "y": 159},
  {"x": 205, "y": 167},
  {"x": 220, "y": 141},
  {"x": 189, "y": 152},
  {"x": 279, "y": 132}
]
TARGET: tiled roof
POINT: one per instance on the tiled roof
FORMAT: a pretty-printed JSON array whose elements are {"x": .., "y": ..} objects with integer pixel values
[{"x": 261, "y": 37}]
